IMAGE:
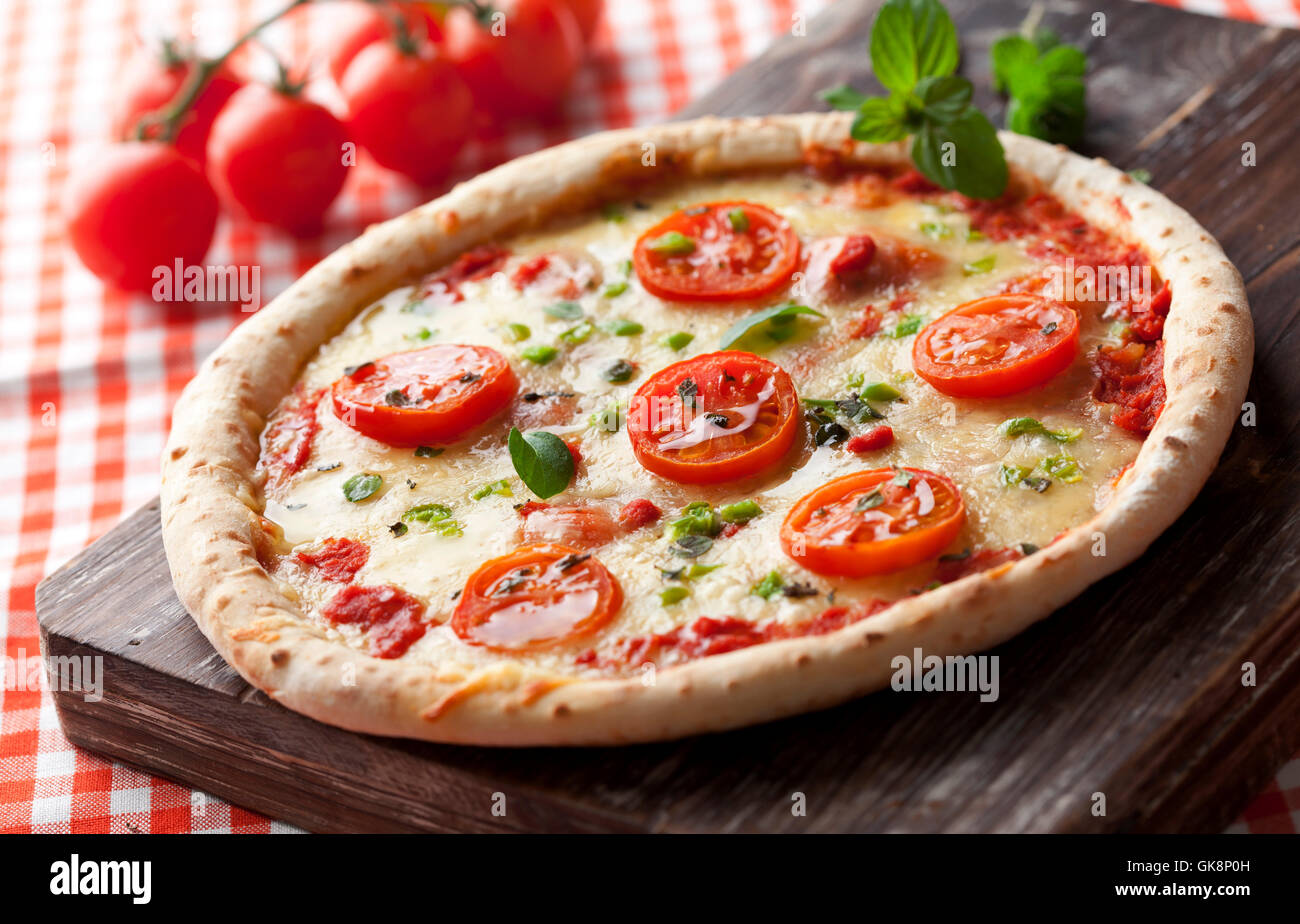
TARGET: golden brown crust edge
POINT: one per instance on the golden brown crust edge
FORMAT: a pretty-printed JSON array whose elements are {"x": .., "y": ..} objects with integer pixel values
[{"x": 210, "y": 492}]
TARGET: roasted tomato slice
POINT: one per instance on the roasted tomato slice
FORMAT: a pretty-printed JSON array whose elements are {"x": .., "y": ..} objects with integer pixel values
[
  {"x": 873, "y": 522},
  {"x": 536, "y": 597},
  {"x": 997, "y": 345},
  {"x": 424, "y": 397},
  {"x": 712, "y": 418},
  {"x": 717, "y": 252}
]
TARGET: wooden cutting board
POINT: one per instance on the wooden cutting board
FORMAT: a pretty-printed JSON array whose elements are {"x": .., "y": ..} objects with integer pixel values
[{"x": 1134, "y": 690}]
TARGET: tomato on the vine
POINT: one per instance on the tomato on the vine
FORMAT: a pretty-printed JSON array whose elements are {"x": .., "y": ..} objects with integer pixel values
[
  {"x": 152, "y": 80},
  {"x": 354, "y": 26},
  {"x": 408, "y": 106},
  {"x": 524, "y": 71},
  {"x": 137, "y": 206},
  {"x": 278, "y": 157},
  {"x": 587, "y": 13}
]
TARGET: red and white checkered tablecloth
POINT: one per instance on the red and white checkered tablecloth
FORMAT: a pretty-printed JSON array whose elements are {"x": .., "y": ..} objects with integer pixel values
[{"x": 89, "y": 376}]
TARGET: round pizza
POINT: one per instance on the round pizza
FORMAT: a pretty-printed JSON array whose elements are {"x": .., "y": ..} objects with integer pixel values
[{"x": 678, "y": 429}]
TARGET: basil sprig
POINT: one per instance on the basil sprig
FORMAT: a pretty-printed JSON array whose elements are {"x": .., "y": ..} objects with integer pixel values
[
  {"x": 1043, "y": 80},
  {"x": 541, "y": 460},
  {"x": 914, "y": 53}
]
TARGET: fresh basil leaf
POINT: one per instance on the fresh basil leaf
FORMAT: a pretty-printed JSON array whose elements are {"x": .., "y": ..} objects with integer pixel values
[
  {"x": 360, "y": 487},
  {"x": 542, "y": 461},
  {"x": 776, "y": 315},
  {"x": 911, "y": 39},
  {"x": 944, "y": 98},
  {"x": 1009, "y": 55},
  {"x": 878, "y": 122},
  {"x": 842, "y": 97},
  {"x": 963, "y": 154}
]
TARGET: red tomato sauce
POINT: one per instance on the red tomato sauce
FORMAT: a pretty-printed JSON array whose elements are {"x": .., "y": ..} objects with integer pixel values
[
  {"x": 392, "y": 618},
  {"x": 443, "y": 286},
  {"x": 337, "y": 559},
  {"x": 287, "y": 440},
  {"x": 1132, "y": 377},
  {"x": 708, "y": 636}
]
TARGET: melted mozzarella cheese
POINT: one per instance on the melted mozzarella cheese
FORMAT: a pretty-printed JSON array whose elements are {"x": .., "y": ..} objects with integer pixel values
[{"x": 956, "y": 437}]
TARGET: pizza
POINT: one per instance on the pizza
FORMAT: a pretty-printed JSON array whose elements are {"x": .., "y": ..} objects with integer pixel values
[{"x": 674, "y": 430}]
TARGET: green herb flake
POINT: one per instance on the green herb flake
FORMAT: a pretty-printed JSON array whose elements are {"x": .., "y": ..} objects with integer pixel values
[
  {"x": 881, "y": 391},
  {"x": 360, "y": 487},
  {"x": 620, "y": 327},
  {"x": 697, "y": 519},
  {"x": 611, "y": 211},
  {"x": 516, "y": 332},
  {"x": 500, "y": 487},
  {"x": 936, "y": 230},
  {"x": 692, "y": 546},
  {"x": 610, "y": 420},
  {"x": 980, "y": 266},
  {"x": 738, "y": 220},
  {"x": 769, "y": 587},
  {"x": 1022, "y": 426},
  {"x": 540, "y": 354},
  {"x": 677, "y": 341},
  {"x": 564, "y": 311},
  {"x": 613, "y": 289},
  {"x": 618, "y": 372},
  {"x": 422, "y": 334},
  {"x": 740, "y": 512},
  {"x": 910, "y": 324},
  {"x": 579, "y": 333},
  {"x": 1063, "y": 468},
  {"x": 541, "y": 460},
  {"x": 1011, "y": 475},
  {"x": 674, "y": 243},
  {"x": 671, "y": 596},
  {"x": 869, "y": 502}
]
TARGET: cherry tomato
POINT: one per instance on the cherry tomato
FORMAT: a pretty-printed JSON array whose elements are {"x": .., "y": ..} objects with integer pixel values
[
  {"x": 717, "y": 251},
  {"x": 409, "y": 108},
  {"x": 536, "y": 597},
  {"x": 712, "y": 418},
  {"x": 353, "y": 26},
  {"x": 526, "y": 70},
  {"x": 873, "y": 522},
  {"x": 997, "y": 345},
  {"x": 425, "y": 397},
  {"x": 136, "y": 206},
  {"x": 277, "y": 157},
  {"x": 153, "y": 78}
]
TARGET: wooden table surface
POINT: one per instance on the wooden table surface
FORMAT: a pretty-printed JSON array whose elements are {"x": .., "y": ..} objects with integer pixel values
[{"x": 1134, "y": 690}]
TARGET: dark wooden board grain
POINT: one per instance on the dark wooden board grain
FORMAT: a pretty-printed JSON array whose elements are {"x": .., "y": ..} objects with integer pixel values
[{"x": 1133, "y": 690}]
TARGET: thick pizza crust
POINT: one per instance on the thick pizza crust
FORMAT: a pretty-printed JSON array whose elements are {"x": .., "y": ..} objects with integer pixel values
[{"x": 211, "y": 493}]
